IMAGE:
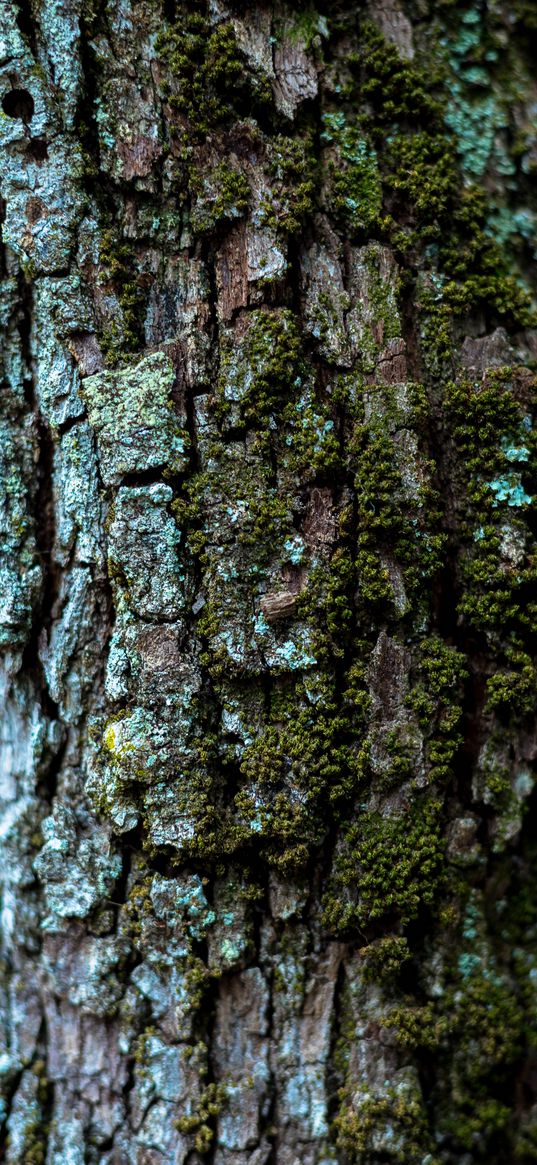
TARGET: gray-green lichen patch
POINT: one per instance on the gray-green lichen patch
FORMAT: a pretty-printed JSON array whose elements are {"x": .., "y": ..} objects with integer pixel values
[
  {"x": 326, "y": 302},
  {"x": 147, "y": 759},
  {"x": 231, "y": 936},
  {"x": 79, "y": 521},
  {"x": 89, "y": 971},
  {"x": 66, "y": 651},
  {"x": 373, "y": 319},
  {"x": 144, "y": 553},
  {"x": 20, "y": 570},
  {"x": 358, "y": 325},
  {"x": 59, "y": 311},
  {"x": 150, "y": 662},
  {"x": 140, "y": 744},
  {"x": 181, "y": 902},
  {"x": 42, "y": 203},
  {"x": 354, "y": 191},
  {"x": 26, "y": 1116},
  {"x": 77, "y": 871},
  {"x": 130, "y": 136},
  {"x": 137, "y": 423},
  {"x": 243, "y": 1060}
]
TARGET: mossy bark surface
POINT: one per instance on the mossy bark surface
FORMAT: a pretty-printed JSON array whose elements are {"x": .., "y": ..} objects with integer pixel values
[{"x": 268, "y": 579}]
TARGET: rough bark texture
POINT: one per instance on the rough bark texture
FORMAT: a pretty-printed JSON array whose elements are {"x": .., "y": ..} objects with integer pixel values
[{"x": 268, "y": 583}]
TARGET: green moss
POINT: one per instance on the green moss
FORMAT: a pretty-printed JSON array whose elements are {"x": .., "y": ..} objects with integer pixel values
[
  {"x": 138, "y": 905},
  {"x": 490, "y": 426},
  {"x": 525, "y": 16},
  {"x": 394, "y": 1120},
  {"x": 394, "y": 88},
  {"x": 268, "y": 369},
  {"x": 484, "y": 1121},
  {"x": 118, "y": 271},
  {"x": 198, "y": 1124},
  {"x": 482, "y": 1028},
  {"x": 416, "y": 1026},
  {"x": 491, "y": 1024},
  {"x": 262, "y": 521},
  {"x": 299, "y": 762},
  {"x": 221, "y": 195},
  {"x": 389, "y": 527},
  {"x": 502, "y": 293},
  {"x": 355, "y": 196},
  {"x": 426, "y": 201},
  {"x": 387, "y": 867},
  {"x": 303, "y": 25},
  {"x": 512, "y": 692},
  {"x": 436, "y": 698},
  {"x": 292, "y": 173},
  {"x": 479, "y": 415},
  {"x": 208, "y": 79},
  {"x": 384, "y": 958},
  {"x": 486, "y": 1026}
]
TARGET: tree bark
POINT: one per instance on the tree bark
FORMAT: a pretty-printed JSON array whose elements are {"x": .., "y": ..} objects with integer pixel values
[{"x": 267, "y": 615}]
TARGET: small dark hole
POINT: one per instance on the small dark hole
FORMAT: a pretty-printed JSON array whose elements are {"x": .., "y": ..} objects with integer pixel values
[
  {"x": 18, "y": 103},
  {"x": 37, "y": 149}
]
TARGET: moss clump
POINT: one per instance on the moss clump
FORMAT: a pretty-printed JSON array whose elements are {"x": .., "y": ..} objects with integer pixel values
[
  {"x": 426, "y": 202},
  {"x": 394, "y": 89},
  {"x": 391, "y": 527},
  {"x": 483, "y": 1121},
  {"x": 491, "y": 429},
  {"x": 300, "y": 762},
  {"x": 436, "y": 698},
  {"x": 486, "y": 1026},
  {"x": 480, "y": 415},
  {"x": 311, "y": 447},
  {"x": 416, "y": 1026},
  {"x": 355, "y": 186},
  {"x": 421, "y": 176},
  {"x": 393, "y": 1122},
  {"x": 118, "y": 271},
  {"x": 139, "y": 906},
  {"x": 526, "y": 18},
  {"x": 512, "y": 693},
  {"x": 210, "y": 1105},
  {"x": 209, "y": 80},
  {"x": 384, "y": 958},
  {"x": 328, "y": 598},
  {"x": 502, "y": 293},
  {"x": 292, "y": 173},
  {"x": 267, "y": 372},
  {"x": 493, "y": 598},
  {"x": 219, "y": 196},
  {"x": 387, "y": 867}
]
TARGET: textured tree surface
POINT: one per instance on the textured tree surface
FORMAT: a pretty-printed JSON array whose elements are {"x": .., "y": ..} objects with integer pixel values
[{"x": 268, "y": 586}]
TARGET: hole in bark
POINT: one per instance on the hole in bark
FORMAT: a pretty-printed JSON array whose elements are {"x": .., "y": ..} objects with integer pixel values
[
  {"x": 37, "y": 150},
  {"x": 18, "y": 103}
]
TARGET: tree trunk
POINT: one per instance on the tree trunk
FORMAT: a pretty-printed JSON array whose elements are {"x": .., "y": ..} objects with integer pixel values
[{"x": 268, "y": 556}]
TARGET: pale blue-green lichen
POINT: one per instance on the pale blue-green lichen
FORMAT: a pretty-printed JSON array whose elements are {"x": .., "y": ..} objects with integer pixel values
[
  {"x": 135, "y": 419},
  {"x": 510, "y": 489},
  {"x": 140, "y": 533},
  {"x": 76, "y": 870}
]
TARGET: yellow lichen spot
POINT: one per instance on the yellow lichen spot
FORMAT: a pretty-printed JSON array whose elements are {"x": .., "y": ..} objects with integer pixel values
[{"x": 114, "y": 741}]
